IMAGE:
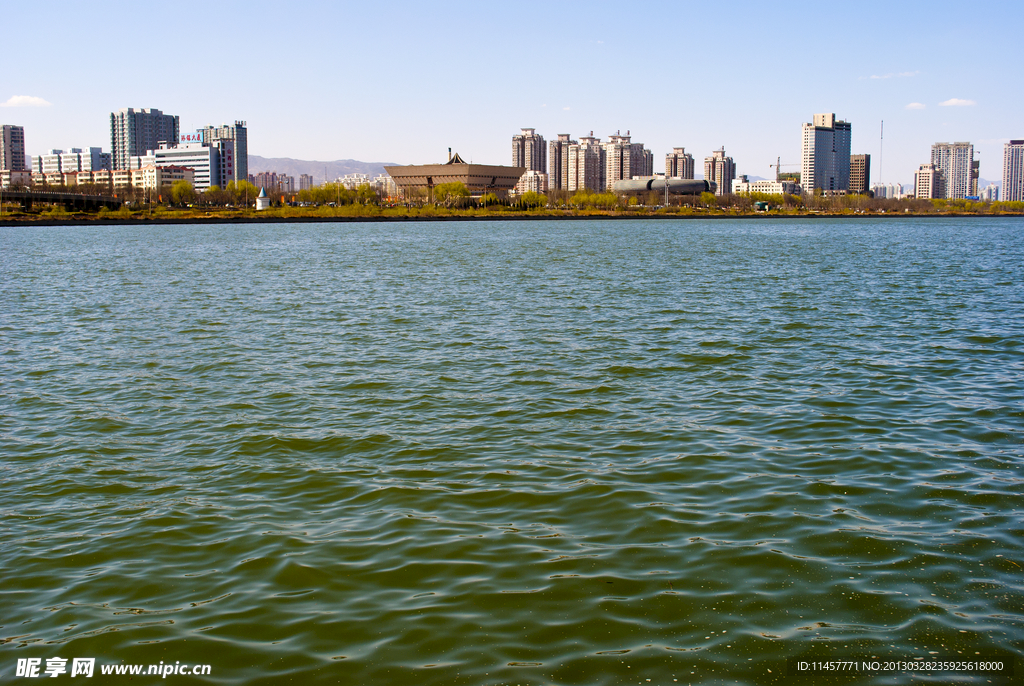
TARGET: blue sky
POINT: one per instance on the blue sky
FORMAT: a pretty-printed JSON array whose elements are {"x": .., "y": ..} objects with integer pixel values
[{"x": 403, "y": 81}]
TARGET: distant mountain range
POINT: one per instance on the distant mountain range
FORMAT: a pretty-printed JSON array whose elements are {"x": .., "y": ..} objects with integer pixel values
[{"x": 286, "y": 165}]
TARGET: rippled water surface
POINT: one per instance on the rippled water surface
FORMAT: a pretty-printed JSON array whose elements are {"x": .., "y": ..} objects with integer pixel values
[{"x": 511, "y": 453}]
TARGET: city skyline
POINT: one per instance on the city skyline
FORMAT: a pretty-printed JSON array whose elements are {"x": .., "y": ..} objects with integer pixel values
[{"x": 922, "y": 94}]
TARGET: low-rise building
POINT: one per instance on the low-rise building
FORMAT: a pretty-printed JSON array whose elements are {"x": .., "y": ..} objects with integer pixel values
[
  {"x": 15, "y": 177},
  {"x": 385, "y": 186},
  {"x": 534, "y": 181},
  {"x": 742, "y": 186},
  {"x": 353, "y": 181},
  {"x": 160, "y": 179},
  {"x": 121, "y": 179},
  {"x": 889, "y": 191}
]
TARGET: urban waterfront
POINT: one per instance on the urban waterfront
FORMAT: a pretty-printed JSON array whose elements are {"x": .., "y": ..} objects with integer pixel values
[{"x": 555, "y": 452}]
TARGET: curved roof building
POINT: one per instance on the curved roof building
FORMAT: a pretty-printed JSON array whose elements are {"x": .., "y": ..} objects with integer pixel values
[
  {"x": 478, "y": 178},
  {"x": 675, "y": 186}
]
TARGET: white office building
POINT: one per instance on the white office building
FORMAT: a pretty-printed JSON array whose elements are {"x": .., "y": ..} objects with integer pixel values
[
  {"x": 825, "y": 162},
  {"x": 203, "y": 160},
  {"x": 742, "y": 186}
]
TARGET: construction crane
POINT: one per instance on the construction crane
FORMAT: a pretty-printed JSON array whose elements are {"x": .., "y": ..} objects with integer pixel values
[{"x": 778, "y": 167}]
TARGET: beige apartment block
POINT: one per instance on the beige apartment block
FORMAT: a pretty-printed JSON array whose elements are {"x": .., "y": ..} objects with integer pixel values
[
  {"x": 1013, "y": 170},
  {"x": 529, "y": 151},
  {"x": 928, "y": 182},
  {"x": 558, "y": 162},
  {"x": 679, "y": 164},
  {"x": 720, "y": 170}
]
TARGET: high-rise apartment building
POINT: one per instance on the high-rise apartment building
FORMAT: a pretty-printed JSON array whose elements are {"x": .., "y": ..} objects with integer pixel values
[
  {"x": 305, "y": 182},
  {"x": 12, "y": 148},
  {"x": 135, "y": 132},
  {"x": 558, "y": 162},
  {"x": 586, "y": 165},
  {"x": 528, "y": 150},
  {"x": 721, "y": 170},
  {"x": 825, "y": 162},
  {"x": 625, "y": 159},
  {"x": 239, "y": 137},
  {"x": 928, "y": 182},
  {"x": 679, "y": 164},
  {"x": 956, "y": 162},
  {"x": 1013, "y": 171},
  {"x": 860, "y": 173}
]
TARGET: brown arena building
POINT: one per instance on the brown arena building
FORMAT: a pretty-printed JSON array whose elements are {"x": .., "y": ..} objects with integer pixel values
[{"x": 478, "y": 178}]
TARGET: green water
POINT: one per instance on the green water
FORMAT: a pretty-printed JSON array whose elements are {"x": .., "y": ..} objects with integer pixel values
[{"x": 511, "y": 453}]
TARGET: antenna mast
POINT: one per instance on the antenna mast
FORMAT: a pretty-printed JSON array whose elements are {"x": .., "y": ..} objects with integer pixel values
[{"x": 881, "y": 144}]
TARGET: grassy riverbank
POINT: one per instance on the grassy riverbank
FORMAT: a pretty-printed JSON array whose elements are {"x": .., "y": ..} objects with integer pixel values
[{"x": 358, "y": 212}]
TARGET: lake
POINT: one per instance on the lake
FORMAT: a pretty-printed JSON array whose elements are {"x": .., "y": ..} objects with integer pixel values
[{"x": 553, "y": 452}]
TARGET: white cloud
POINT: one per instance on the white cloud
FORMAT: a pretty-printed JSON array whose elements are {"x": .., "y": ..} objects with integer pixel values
[
  {"x": 957, "y": 102},
  {"x": 25, "y": 101},
  {"x": 565, "y": 108},
  {"x": 915, "y": 106}
]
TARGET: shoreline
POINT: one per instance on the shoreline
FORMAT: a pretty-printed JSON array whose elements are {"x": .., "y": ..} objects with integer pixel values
[{"x": 129, "y": 221}]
